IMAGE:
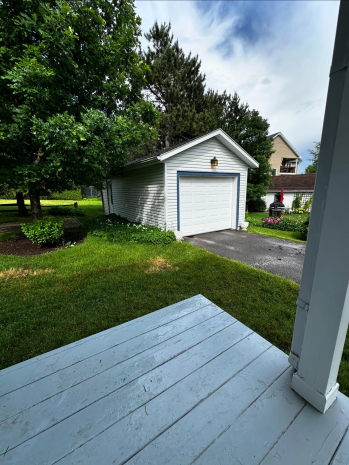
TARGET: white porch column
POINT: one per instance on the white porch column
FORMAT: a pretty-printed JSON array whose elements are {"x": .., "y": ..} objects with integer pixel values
[{"x": 323, "y": 306}]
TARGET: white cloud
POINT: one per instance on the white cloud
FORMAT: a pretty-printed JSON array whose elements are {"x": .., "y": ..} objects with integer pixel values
[{"x": 283, "y": 73}]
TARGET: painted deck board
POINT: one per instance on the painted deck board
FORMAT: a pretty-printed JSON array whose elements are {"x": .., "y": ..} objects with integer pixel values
[
  {"x": 141, "y": 347},
  {"x": 186, "y": 384}
]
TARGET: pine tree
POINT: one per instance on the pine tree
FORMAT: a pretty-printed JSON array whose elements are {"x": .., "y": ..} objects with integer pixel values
[{"x": 175, "y": 85}]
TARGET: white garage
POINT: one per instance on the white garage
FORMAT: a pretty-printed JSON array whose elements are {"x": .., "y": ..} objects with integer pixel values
[{"x": 192, "y": 188}]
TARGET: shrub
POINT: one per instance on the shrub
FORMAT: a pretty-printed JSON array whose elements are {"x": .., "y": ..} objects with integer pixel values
[
  {"x": 44, "y": 232},
  {"x": 283, "y": 224},
  {"x": 116, "y": 229},
  {"x": 73, "y": 194},
  {"x": 254, "y": 221},
  {"x": 6, "y": 192},
  {"x": 65, "y": 211},
  {"x": 257, "y": 205},
  {"x": 297, "y": 202},
  {"x": 304, "y": 230}
]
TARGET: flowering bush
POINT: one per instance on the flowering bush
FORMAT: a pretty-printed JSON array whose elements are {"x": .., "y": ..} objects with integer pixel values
[
  {"x": 116, "y": 229},
  {"x": 271, "y": 220},
  {"x": 283, "y": 224}
]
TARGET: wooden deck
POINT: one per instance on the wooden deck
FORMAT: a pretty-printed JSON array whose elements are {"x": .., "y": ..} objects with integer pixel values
[{"x": 187, "y": 384}]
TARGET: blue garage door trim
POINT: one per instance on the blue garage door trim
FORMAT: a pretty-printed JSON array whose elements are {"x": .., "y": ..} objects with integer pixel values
[{"x": 196, "y": 173}]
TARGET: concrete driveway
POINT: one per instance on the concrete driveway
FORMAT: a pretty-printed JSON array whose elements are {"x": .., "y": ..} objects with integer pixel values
[{"x": 276, "y": 256}]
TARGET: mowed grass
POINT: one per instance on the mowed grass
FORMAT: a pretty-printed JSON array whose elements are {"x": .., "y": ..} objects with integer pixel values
[
  {"x": 91, "y": 207},
  {"x": 287, "y": 235},
  {"x": 98, "y": 285},
  {"x": 293, "y": 216}
]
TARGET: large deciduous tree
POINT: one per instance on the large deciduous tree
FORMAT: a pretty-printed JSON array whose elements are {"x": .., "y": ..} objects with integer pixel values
[
  {"x": 176, "y": 85},
  {"x": 71, "y": 101}
]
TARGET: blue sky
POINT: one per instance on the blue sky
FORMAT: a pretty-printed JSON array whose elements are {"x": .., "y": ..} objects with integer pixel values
[{"x": 275, "y": 54}]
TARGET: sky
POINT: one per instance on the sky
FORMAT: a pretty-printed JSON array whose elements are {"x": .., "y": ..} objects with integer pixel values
[{"x": 275, "y": 54}]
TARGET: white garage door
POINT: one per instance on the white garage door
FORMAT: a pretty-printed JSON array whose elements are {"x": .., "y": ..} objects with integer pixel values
[{"x": 206, "y": 204}]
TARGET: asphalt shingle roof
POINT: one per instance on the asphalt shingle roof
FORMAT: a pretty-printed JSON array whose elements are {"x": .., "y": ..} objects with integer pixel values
[{"x": 293, "y": 182}]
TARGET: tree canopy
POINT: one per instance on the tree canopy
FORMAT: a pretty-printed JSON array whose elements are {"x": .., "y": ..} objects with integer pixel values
[
  {"x": 312, "y": 168},
  {"x": 71, "y": 102},
  {"x": 176, "y": 85}
]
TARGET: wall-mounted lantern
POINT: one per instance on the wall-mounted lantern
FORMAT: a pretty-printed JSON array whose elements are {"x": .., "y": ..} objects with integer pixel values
[{"x": 214, "y": 162}]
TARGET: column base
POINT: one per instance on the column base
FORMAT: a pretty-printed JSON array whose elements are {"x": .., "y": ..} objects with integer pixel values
[{"x": 311, "y": 395}]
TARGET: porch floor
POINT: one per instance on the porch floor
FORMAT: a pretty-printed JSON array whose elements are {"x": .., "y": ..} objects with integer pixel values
[{"x": 186, "y": 384}]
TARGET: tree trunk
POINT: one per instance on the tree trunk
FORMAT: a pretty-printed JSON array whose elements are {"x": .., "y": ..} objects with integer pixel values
[
  {"x": 22, "y": 211},
  {"x": 35, "y": 204},
  {"x": 167, "y": 141}
]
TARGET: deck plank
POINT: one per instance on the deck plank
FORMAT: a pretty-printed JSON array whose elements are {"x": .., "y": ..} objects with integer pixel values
[
  {"x": 185, "y": 385},
  {"x": 264, "y": 421},
  {"x": 55, "y": 442},
  {"x": 313, "y": 437},
  {"x": 127, "y": 437},
  {"x": 62, "y": 405},
  {"x": 44, "y": 388},
  {"x": 31, "y": 370},
  {"x": 341, "y": 456},
  {"x": 187, "y": 438}
]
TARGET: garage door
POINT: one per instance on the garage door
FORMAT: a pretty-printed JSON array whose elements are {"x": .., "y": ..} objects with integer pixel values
[{"x": 205, "y": 204}]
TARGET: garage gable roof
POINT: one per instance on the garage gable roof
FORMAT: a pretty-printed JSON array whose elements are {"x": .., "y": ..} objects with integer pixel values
[{"x": 219, "y": 134}]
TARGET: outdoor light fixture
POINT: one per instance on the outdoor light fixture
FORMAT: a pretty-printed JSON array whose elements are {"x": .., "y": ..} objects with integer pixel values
[{"x": 214, "y": 162}]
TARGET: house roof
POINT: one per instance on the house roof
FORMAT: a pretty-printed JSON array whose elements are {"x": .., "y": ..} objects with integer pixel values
[
  {"x": 294, "y": 182},
  {"x": 219, "y": 134},
  {"x": 276, "y": 134}
]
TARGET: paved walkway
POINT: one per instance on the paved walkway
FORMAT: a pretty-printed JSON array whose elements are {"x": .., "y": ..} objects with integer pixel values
[{"x": 276, "y": 256}]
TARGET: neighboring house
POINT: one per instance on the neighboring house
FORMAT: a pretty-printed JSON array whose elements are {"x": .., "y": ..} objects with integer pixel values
[
  {"x": 180, "y": 188},
  {"x": 285, "y": 159},
  {"x": 298, "y": 185}
]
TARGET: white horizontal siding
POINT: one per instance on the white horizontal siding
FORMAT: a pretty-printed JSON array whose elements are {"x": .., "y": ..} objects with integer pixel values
[
  {"x": 198, "y": 159},
  {"x": 288, "y": 198},
  {"x": 139, "y": 195},
  {"x": 268, "y": 199}
]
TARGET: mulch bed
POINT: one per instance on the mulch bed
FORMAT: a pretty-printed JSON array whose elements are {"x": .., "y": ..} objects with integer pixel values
[{"x": 23, "y": 247}]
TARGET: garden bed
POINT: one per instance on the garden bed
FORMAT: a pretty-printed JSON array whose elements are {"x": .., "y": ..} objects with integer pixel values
[{"x": 21, "y": 246}]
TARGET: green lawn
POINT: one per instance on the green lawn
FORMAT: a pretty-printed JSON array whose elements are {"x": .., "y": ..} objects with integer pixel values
[
  {"x": 288, "y": 235},
  {"x": 291, "y": 236},
  {"x": 91, "y": 207},
  {"x": 98, "y": 285}
]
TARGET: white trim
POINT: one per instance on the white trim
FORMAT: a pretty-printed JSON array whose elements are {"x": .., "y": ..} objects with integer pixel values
[
  {"x": 223, "y": 138},
  {"x": 288, "y": 143},
  {"x": 320, "y": 333},
  {"x": 165, "y": 194},
  {"x": 316, "y": 399}
]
